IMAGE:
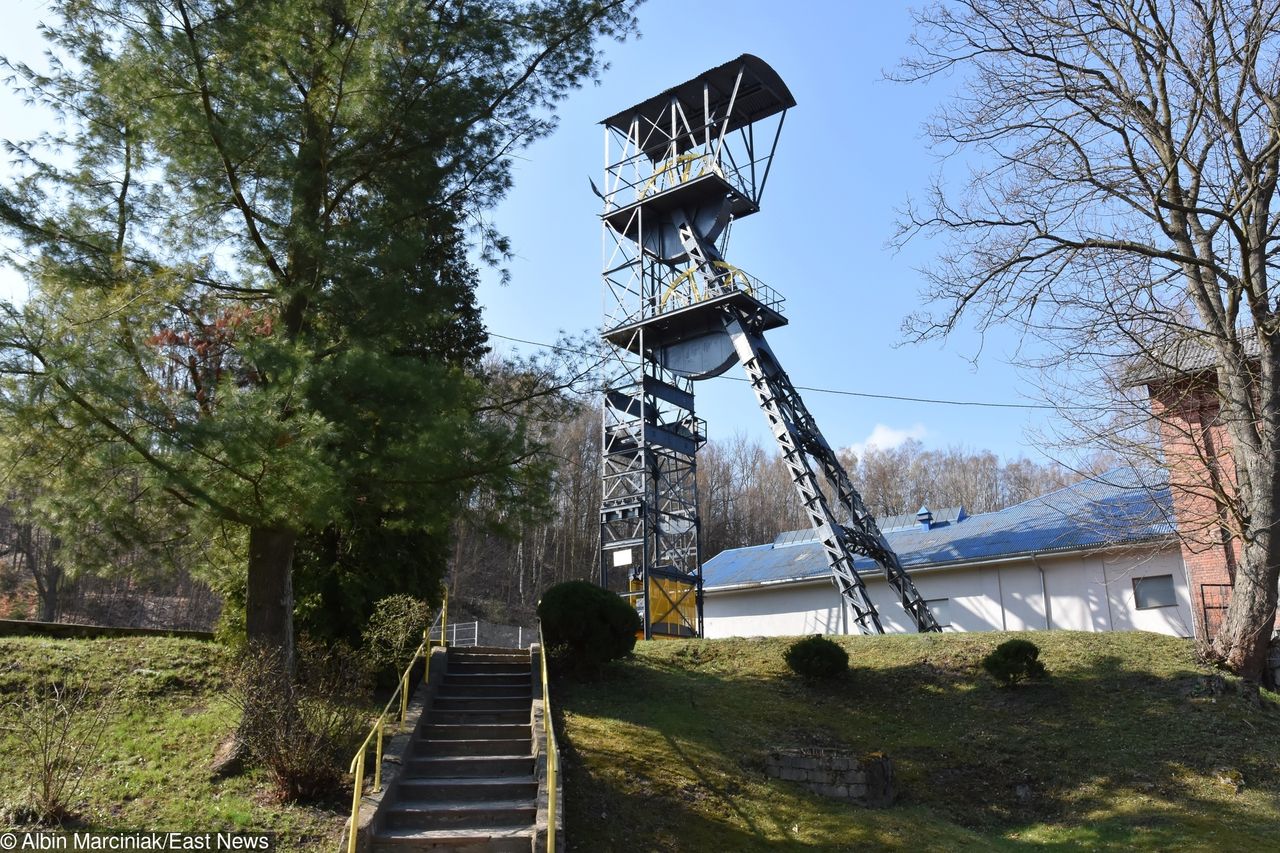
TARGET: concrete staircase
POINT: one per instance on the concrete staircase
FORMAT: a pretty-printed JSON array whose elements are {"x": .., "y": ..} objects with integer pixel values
[{"x": 468, "y": 778}]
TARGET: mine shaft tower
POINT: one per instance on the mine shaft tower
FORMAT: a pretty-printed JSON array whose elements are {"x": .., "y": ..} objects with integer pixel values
[{"x": 680, "y": 169}]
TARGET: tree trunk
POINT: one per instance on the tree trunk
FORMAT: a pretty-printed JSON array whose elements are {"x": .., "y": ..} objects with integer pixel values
[
  {"x": 49, "y": 602},
  {"x": 269, "y": 630},
  {"x": 1244, "y": 639},
  {"x": 269, "y": 600}
]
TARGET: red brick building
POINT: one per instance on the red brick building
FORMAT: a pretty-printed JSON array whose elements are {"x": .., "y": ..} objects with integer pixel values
[{"x": 1197, "y": 449}]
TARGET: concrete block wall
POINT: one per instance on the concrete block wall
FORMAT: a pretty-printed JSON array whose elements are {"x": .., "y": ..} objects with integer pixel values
[{"x": 866, "y": 780}]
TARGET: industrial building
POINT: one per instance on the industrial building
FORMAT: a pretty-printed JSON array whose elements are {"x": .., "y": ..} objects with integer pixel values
[{"x": 1100, "y": 555}]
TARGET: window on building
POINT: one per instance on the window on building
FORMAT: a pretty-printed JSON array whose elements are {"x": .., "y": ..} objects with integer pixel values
[
  {"x": 941, "y": 610},
  {"x": 1154, "y": 591}
]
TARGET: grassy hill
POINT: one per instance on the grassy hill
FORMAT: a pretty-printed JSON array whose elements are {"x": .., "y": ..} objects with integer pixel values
[
  {"x": 1129, "y": 745},
  {"x": 171, "y": 713}
]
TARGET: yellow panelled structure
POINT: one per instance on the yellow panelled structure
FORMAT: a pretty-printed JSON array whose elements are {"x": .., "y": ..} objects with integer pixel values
[{"x": 673, "y": 608}]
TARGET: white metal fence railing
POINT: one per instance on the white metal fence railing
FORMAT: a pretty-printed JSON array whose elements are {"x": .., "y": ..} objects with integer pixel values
[
  {"x": 490, "y": 634},
  {"x": 458, "y": 634}
]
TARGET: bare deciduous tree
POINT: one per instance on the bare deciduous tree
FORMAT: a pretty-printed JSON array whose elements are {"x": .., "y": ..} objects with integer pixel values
[
  {"x": 1119, "y": 204},
  {"x": 36, "y": 550}
]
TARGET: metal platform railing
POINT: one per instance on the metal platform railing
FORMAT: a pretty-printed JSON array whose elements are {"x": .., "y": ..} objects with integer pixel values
[
  {"x": 684, "y": 291},
  {"x": 633, "y": 181}
]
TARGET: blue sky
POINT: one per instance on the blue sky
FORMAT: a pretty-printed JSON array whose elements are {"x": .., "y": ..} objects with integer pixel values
[{"x": 851, "y": 153}]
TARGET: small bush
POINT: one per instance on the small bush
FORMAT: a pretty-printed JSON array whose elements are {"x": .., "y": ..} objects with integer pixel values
[
  {"x": 817, "y": 657},
  {"x": 394, "y": 630},
  {"x": 58, "y": 734},
  {"x": 587, "y": 625},
  {"x": 304, "y": 740},
  {"x": 1014, "y": 660}
]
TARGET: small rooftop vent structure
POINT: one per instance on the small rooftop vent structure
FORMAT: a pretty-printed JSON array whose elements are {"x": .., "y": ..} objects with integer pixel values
[{"x": 680, "y": 168}]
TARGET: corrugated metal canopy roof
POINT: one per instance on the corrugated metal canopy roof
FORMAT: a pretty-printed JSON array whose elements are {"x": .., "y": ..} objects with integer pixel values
[
  {"x": 1114, "y": 509},
  {"x": 761, "y": 94}
]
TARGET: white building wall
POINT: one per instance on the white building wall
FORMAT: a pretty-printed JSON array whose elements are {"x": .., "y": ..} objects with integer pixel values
[
  {"x": 1073, "y": 596},
  {"x": 1092, "y": 592},
  {"x": 782, "y": 610},
  {"x": 1120, "y": 573}
]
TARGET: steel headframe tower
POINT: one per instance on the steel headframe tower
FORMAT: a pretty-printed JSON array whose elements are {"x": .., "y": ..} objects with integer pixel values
[{"x": 680, "y": 168}]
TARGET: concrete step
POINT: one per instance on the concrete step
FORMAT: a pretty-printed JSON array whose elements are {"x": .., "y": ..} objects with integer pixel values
[
  {"x": 461, "y": 814},
  {"x": 516, "y": 678},
  {"x": 517, "y": 838},
  {"x": 509, "y": 667},
  {"x": 491, "y": 657},
  {"x": 481, "y": 689},
  {"x": 480, "y": 716},
  {"x": 474, "y": 790},
  {"x": 467, "y": 766},
  {"x": 489, "y": 650},
  {"x": 499, "y": 746},
  {"x": 482, "y": 652},
  {"x": 473, "y": 731},
  {"x": 455, "y": 702}
]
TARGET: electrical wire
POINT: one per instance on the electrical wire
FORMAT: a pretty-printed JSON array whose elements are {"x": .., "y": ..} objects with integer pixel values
[{"x": 838, "y": 391}]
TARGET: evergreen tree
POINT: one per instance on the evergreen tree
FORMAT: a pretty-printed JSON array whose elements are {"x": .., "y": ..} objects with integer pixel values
[{"x": 248, "y": 245}]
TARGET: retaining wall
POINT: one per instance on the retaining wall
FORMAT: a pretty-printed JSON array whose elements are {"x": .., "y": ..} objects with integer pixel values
[{"x": 865, "y": 780}]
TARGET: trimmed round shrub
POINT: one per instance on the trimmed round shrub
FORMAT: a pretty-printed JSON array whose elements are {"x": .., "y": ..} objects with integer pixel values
[
  {"x": 587, "y": 624},
  {"x": 1014, "y": 660},
  {"x": 817, "y": 657}
]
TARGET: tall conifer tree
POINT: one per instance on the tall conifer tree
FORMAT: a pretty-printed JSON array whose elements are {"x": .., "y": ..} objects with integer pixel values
[{"x": 248, "y": 244}]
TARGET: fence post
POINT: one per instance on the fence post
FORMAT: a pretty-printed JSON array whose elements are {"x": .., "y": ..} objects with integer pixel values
[
  {"x": 355, "y": 802},
  {"x": 377, "y": 768}
]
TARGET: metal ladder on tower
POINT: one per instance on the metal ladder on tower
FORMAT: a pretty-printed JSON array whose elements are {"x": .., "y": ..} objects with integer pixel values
[{"x": 804, "y": 449}]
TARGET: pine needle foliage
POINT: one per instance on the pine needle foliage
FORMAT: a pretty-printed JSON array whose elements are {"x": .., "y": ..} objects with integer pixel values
[{"x": 249, "y": 243}]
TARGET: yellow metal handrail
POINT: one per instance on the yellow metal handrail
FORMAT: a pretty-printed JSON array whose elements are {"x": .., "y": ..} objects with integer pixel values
[
  {"x": 553, "y": 751},
  {"x": 402, "y": 693}
]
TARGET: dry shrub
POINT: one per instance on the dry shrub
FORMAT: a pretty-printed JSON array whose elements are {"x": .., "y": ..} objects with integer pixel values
[
  {"x": 57, "y": 735},
  {"x": 392, "y": 634},
  {"x": 303, "y": 737}
]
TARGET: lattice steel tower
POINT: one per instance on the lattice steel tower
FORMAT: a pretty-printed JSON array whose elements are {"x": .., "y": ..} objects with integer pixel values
[{"x": 680, "y": 168}]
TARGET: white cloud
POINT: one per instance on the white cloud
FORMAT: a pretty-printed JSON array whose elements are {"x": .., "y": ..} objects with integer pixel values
[{"x": 886, "y": 437}]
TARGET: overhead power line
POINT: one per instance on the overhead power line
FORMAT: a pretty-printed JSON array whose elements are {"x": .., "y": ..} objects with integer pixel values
[{"x": 984, "y": 404}]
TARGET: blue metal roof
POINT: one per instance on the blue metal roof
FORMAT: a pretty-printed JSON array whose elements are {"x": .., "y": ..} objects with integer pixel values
[{"x": 1115, "y": 508}]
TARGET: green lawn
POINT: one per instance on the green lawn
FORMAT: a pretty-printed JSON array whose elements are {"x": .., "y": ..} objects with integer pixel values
[
  {"x": 172, "y": 713},
  {"x": 1122, "y": 748}
]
